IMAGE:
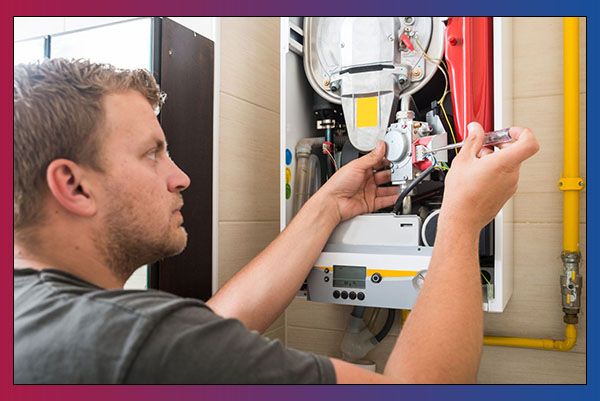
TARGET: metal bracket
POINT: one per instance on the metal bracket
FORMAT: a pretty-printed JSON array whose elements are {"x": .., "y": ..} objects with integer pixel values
[{"x": 571, "y": 184}]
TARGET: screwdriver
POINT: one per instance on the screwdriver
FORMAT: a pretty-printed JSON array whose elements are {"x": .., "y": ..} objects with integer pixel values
[{"x": 492, "y": 138}]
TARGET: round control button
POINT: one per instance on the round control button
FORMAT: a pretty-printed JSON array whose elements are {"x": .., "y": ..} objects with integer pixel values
[
  {"x": 352, "y": 295},
  {"x": 344, "y": 295},
  {"x": 376, "y": 278},
  {"x": 326, "y": 270},
  {"x": 419, "y": 279},
  {"x": 361, "y": 296},
  {"x": 336, "y": 294},
  {"x": 326, "y": 279},
  {"x": 397, "y": 145}
]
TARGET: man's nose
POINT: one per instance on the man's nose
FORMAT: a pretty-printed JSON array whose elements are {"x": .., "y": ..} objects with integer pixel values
[{"x": 178, "y": 180}]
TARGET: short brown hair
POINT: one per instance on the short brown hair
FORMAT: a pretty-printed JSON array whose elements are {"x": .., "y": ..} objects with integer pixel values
[{"x": 58, "y": 113}]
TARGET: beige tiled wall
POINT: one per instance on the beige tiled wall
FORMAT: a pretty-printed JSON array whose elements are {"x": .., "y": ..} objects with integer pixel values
[
  {"x": 248, "y": 144},
  {"x": 535, "y": 307}
]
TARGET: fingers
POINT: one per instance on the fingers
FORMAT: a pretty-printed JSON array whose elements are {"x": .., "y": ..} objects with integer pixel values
[
  {"x": 385, "y": 201},
  {"x": 382, "y": 177},
  {"x": 524, "y": 146},
  {"x": 383, "y": 164},
  {"x": 387, "y": 191},
  {"x": 515, "y": 133},
  {"x": 474, "y": 141},
  {"x": 485, "y": 151},
  {"x": 373, "y": 159}
]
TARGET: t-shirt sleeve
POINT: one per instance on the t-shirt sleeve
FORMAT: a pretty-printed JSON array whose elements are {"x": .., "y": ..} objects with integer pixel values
[{"x": 193, "y": 345}]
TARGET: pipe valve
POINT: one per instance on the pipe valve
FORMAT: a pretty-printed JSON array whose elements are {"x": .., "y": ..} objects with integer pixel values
[{"x": 571, "y": 285}]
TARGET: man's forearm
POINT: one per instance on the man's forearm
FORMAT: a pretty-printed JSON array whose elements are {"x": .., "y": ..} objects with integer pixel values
[
  {"x": 261, "y": 291},
  {"x": 442, "y": 339}
]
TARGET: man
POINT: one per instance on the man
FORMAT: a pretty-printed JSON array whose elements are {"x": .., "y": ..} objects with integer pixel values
[{"x": 96, "y": 195}]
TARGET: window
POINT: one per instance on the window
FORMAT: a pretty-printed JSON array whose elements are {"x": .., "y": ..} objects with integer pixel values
[
  {"x": 124, "y": 44},
  {"x": 28, "y": 51}
]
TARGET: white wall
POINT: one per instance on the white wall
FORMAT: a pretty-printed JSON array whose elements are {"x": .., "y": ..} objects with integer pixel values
[{"x": 30, "y": 27}]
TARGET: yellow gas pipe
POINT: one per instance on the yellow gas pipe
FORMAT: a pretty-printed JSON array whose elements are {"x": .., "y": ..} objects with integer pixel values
[{"x": 571, "y": 183}]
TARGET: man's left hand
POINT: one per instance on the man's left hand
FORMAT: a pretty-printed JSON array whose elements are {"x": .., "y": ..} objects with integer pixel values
[{"x": 355, "y": 187}]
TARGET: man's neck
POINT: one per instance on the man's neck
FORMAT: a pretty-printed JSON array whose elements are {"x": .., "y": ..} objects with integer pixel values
[{"x": 73, "y": 256}]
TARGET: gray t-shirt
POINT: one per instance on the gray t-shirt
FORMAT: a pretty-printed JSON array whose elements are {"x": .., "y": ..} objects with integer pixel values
[{"x": 69, "y": 331}]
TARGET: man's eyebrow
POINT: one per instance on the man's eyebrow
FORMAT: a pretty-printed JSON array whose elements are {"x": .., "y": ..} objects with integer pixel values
[{"x": 161, "y": 144}]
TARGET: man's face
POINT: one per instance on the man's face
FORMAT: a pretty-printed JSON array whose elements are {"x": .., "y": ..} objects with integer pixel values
[{"x": 139, "y": 197}]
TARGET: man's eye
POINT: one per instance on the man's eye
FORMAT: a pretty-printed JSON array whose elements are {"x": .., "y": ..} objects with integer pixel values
[{"x": 153, "y": 154}]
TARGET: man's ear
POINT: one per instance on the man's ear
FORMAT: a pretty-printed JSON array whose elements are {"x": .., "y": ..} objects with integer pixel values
[{"x": 70, "y": 187}]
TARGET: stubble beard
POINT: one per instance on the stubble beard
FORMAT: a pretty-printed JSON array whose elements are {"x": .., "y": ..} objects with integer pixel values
[{"x": 128, "y": 240}]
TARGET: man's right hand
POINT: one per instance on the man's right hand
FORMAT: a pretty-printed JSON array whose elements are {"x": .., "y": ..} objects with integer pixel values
[{"x": 481, "y": 180}]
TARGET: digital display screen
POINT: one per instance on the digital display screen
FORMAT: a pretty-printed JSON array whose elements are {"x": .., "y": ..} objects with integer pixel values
[{"x": 349, "y": 276}]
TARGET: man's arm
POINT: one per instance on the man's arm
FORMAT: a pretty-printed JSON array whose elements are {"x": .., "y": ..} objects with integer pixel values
[
  {"x": 261, "y": 291},
  {"x": 441, "y": 340}
]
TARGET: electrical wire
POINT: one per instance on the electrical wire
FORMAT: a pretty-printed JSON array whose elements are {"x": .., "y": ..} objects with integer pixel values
[
  {"x": 389, "y": 322},
  {"x": 398, "y": 205},
  {"x": 449, "y": 125},
  {"x": 485, "y": 278},
  {"x": 488, "y": 284},
  {"x": 328, "y": 153},
  {"x": 442, "y": 165},
  {"x": 428, "y": 194},
  {"x": 440, "y": 102}
]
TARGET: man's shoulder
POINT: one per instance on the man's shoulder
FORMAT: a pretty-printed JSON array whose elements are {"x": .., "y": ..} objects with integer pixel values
[
  {"x": 68, "y": 331},
  {"x": 55, "y": 287}
]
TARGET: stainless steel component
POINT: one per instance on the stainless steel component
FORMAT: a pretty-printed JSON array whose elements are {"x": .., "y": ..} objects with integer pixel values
[
  {"x": 571, "y": 285},
  {"x": 399, "y": 150},
  {"x": 407, "y": 201},
  {"x": 447, "y": 147},
  {"x": 293, "y": 43},
  {"x": 308, "y": 172},
  {"x": 324, "y": 124},
  {"x": 350, "y": 59},
  {"x": 419, "y": 280},
  {"x": 399, "y": 138}
]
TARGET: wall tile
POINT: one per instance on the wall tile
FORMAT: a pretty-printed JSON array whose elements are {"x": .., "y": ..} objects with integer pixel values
[
  {"x": 250, "y": 60},
  {"x": 240, "y": 242},
  {"x": 538, "y": 56},
  {"x": 249, "y": 162},
  {"x": 513, "y": 365},
  {"x": 544, "y": 116},
  {"x": 277, "y": 334},
  {"x": 319, "y": 341},
  {"x": 544, "y": 207}
]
